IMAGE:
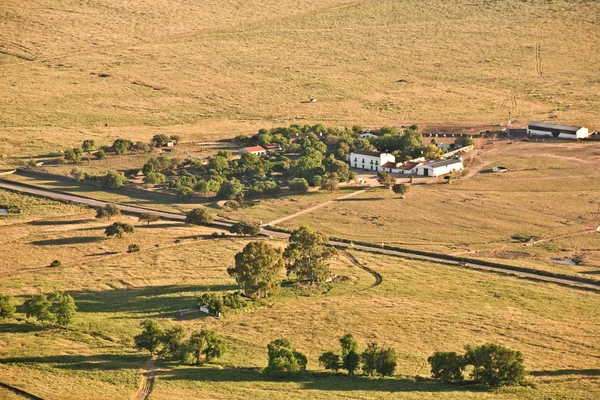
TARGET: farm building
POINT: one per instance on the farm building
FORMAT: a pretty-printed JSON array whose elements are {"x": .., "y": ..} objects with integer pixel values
[
  {"x": 556, "y": 130},
  {"x": 438, "y": 168},
  {"x": 256, "y": 150},
  {"x": 370, "y": 160}
]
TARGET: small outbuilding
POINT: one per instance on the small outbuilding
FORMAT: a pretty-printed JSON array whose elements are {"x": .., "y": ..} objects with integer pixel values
[
  {"x": 557, "y": 130},
  {"x": 256, "y": 150},
  {"x": 438, "y": 168}
]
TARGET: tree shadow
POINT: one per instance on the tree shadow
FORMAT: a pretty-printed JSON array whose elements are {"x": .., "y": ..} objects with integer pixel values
[
  {"x": 101, "y": 362},
  {"x": 564, "y": 372},
  {"x": 591, "y": 272},
  {"x": 360, "y": 199},
  {"x": 57, "y": 223},
  {"x": 71, "y": 240},
  {"x": 165, "y": 225},
  {"x": 324, "y": 381},
  {"x": 15, "y": 327},
  {"x": 147, "y": 302}
]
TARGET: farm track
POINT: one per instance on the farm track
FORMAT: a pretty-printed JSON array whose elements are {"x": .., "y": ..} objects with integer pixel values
[
  {"x": 376, "y": 275},
  {"x": 147, "y": 382},
  {"x": 20, "y": 392},
  {"x": 441, "y": 258},
  {"x": 538, "y": 51}
]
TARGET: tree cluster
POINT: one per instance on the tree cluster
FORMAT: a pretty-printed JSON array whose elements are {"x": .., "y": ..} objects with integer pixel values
[
  {"x": 218, "y": 303},
  {"x": 374, "y": 360},
  {"x": 493, "y": 365},
  {"x": 201, "y": 347},
  {"x": 259, "y": 266},
  {"x": 58, "y": 308}
]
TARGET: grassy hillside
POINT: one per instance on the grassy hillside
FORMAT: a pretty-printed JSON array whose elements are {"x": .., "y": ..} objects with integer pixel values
[
  {"x": 225, "y": 67},
  {"x": 418, "y": 308}
]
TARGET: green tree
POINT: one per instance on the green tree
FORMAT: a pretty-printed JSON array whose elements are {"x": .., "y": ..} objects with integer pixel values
[
  {"x": 121, "y": 146},
  {"x": 155, "y": 178},
  {"x": 185, "y": 193},
  {"x": 198, "y": 216},
  {"x": 118, "y": 229},
  {"x": 108, "y": 211},
  {"x": 448, "y": 367},
  {"x": 7, "y": 306},
  {"x": 175, "y": 138},
  {"x": 113, "y": 179},
  {"x": 206, "y": 344},
  {"x": 298, "y": 185},
  {"x": 432, "y": 152},
  {"x": 257, "y": 269},
  {"x": 133, "y": 248},
  {"x": 348, "y": 344},
  {"x": 171, "y": 340},
  {"x": 159, "y": 140},
  {"x": 148, "y": 218},
  {"x": 218, "y": 163},
  {"x": 495, "y": 365},
  {"x": 88, "y": 145},
  {"x": 245, "y": 228},
  {"x": 386, "y": 179},
  {"x": 351, "y": 362},
  {"x": 330, "y": 184},
  {"x": 369, "y": 359},
  {"x": 468, "y": 141},
  {"x": 284, "y": 360},
  {"x": 385, "y": 364},
  {"x": 73, "y": 155},
  {"x": 400, "y": 189},
  {"x": 39, "y": 307},
  {"x": 64, "y": 308},
  {"x": 231, "y": 190},
  {"x": 307, "y": 255},
  {"x": 150, "y": 337},
  {"x": 330, "y": 360},
  {"x": 100, "y": 155}
]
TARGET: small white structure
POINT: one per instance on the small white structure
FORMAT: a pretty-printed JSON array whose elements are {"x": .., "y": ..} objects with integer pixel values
[
  {"x": 438, "y": 168},
  {"x": 171, "y": 144},
  {"x": 557, "y": 130},
  {"x": 370, "y": 160},
  {"x": 256, "y": 150}
]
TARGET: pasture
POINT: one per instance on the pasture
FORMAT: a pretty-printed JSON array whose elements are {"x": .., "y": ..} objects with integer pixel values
[{"x": 418, "y": 308}]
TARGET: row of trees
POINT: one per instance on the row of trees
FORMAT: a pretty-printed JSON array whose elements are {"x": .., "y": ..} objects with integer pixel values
[
  {"x": 374, "y": 360},
  {"x": 492, "y": 365},
  {"x": 200, "y": 347},
  {"x": 58, "y": 308}
]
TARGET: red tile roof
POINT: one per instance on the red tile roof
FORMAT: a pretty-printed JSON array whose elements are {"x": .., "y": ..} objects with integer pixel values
[
  {"x": 389, "y": 164},
  {"x": 408, "y": 165},
  {"x": 254, "y": 149}
]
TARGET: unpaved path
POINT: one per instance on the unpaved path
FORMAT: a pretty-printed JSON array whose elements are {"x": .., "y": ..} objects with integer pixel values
[
  {"x": 376, "y": 275},
  {"x": 147, "y": 383},
  {"x": 315, "y": 207}
]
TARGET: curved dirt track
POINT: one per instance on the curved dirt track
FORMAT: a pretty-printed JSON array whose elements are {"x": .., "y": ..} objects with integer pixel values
[
  {"x": 376, "y": 275},
  {"x": 147, "y": 383},
  {"x": 473, "y": 264}
]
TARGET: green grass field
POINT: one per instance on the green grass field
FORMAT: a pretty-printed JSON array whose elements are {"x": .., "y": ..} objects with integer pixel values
[{"x": 419, "y": 307}]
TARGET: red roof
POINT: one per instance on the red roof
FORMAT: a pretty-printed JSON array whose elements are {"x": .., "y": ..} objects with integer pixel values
[
  {"x": 408, "y": 165},
  {"x": 271, "y": 146},
  {"x": 254, "y": 149},
  {"x": 389, "y": 164}
]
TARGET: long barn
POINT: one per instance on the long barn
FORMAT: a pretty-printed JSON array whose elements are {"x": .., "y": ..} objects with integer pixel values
[{"x": 557, "y": 130}]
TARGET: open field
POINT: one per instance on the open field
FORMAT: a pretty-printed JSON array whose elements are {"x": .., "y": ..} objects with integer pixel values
[
  {"x": 419, "y": 307},
  {"x": 224, "y": 67}
]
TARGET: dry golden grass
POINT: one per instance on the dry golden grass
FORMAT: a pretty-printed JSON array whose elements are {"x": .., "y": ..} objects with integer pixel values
[
  {"x": 419, "y": 307},
  {"x": 226, "y": 67}
]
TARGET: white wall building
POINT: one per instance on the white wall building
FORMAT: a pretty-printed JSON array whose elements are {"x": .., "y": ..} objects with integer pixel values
[
  {"x": 438, "y": 168},
  {"x": 370, "y": 160},
  {"x": 557, "y": 130},
  {"x": 256, "y": 150}
]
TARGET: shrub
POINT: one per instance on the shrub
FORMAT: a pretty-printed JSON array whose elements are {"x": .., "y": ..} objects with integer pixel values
[
  {"x": 495, "y": 365},
  {"x": 245, "y": 228},
  {"x": 284, "y": 360},
  {"x": 113, "y": 179},
  {"x": 185, "y": 193},
  {"x": 118, "y": 229},
  {"x": 447, "y": 366},
  {"x": 7, "y": 306},
  {"x": 55, "y": 264},
  {"x": 330, "y": 360},
  {"x": 133, "y": 248},
  {"x": 198, "y": 216},
  {"x": 299, "y": 185}
]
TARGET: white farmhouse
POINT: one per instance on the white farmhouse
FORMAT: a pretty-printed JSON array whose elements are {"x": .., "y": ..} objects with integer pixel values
[
  {"x": 438, "y": 168},
  {"x": 556, "y": 130},
  {"x": 370, "y": 160}
]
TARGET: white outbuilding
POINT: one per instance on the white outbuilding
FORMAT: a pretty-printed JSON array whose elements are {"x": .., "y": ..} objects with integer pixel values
[
  {"x": 370, "y": 160},
  {"x": 557, "y": 130},
  {"x": 438, "y": 168}
]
